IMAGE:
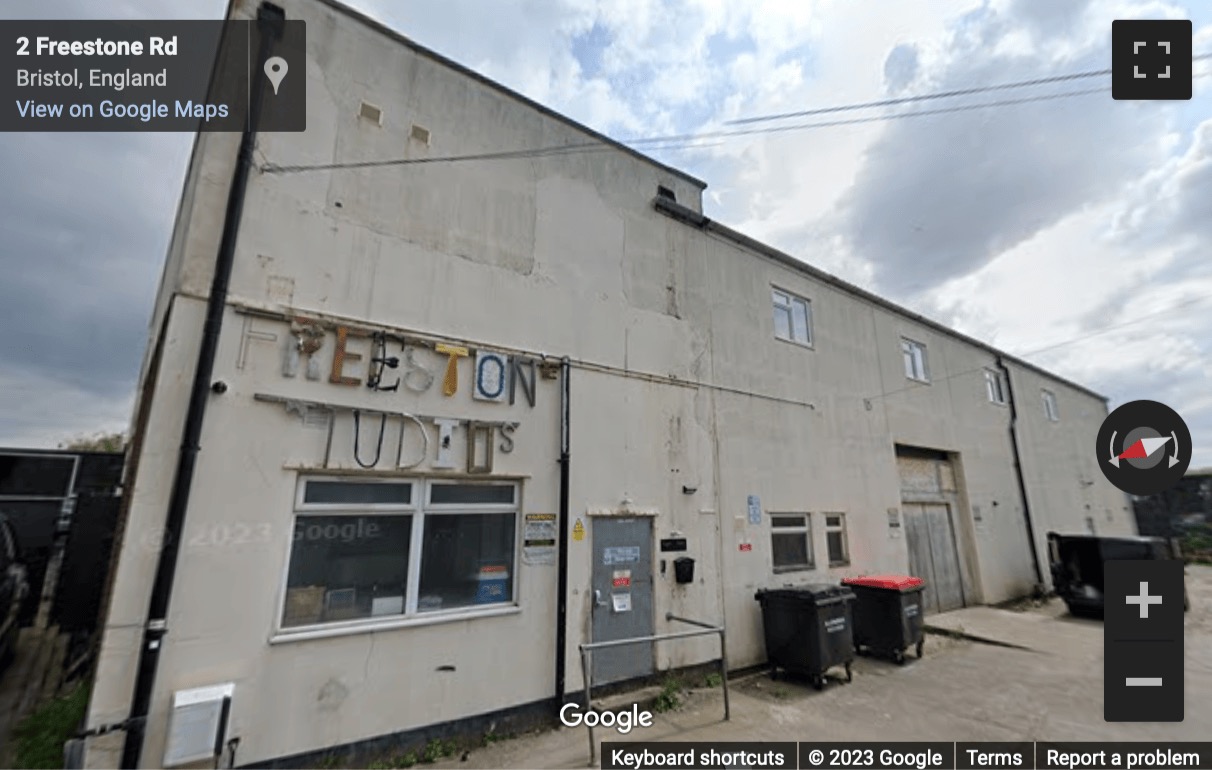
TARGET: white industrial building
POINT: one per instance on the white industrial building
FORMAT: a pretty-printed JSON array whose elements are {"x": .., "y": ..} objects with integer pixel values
[{"x": 369, "y": 551}]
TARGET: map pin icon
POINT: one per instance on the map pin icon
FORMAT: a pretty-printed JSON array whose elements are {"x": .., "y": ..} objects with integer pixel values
[{"x": 275, "y": 70}]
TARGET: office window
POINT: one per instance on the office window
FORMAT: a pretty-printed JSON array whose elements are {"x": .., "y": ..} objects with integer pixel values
[
  {"x": 792, "y": 318},
  {"x": 1050, "y": 410},
  {"x": 791, "y": 541},
  {"x": 915, "y": 360},
  {"x": 835, "y": 539},
  {"x": 995, "y": 386},
  {"x": 376, "y": 549}
]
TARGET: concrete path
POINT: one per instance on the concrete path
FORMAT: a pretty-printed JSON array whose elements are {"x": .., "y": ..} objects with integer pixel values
[{"x": 961, "y": 690}]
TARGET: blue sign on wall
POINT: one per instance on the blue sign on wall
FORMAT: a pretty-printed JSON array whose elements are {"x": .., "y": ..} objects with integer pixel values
[{"x": 755, "y": 510}]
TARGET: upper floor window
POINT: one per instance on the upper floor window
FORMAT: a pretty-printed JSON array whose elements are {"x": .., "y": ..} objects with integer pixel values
[
  {"x": 1050, "y": 410},
  {"x": 995, "y": 386},
  {"x": 792, "y": 318},
  {"x": 915, "y": 360}
]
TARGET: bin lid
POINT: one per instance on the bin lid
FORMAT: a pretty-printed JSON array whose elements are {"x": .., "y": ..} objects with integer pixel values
[
  {"x": 816, "y": 592},
  {"x": 891, "y": 582}
]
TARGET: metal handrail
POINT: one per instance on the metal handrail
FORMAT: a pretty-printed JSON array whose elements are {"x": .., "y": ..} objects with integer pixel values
[{"x": 587, "y": 648}]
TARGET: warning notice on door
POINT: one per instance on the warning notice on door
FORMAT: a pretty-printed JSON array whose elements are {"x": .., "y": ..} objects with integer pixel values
[
  {"x": 539, "y": 539},
  {"x": 621, "y": 578}
]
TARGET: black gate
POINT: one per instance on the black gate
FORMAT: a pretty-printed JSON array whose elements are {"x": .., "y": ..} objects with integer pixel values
[{"x": 64, "y": 508}]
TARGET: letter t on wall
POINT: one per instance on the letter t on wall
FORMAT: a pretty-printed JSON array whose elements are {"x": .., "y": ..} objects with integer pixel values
[{"x": 450, "y": 385}]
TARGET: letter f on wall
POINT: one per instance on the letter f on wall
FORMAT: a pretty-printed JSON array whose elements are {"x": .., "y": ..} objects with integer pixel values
[{"x": 450, "y": 385}]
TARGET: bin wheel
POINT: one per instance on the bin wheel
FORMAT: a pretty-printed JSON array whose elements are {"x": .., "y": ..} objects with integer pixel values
[
  {"x": 921, "y": 643},
  {"x": 849, "y": 675},
  {"x": 899, "y": 657},
  {"x": 818, "y": 682}
]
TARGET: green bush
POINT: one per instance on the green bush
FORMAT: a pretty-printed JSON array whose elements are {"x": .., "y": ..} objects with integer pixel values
[{"x": 40, "y": 736}]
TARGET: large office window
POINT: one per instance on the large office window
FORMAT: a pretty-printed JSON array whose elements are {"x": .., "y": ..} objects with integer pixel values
[
  {"x": 791, "y": 541},
  {"x": 792, "y": 318},
  {"x": 378, "y": 549}
]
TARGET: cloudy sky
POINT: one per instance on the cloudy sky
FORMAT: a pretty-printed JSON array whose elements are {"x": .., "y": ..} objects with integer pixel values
[{"x": 1045, "y": 227}]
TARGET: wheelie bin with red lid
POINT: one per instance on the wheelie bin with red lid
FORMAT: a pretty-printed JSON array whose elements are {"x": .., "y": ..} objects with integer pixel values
[{"x": 887, "y": 614}]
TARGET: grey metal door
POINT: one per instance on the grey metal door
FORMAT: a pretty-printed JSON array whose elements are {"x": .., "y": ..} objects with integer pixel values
[
  {"x": 933, "y": 555},
  {"x": 622, "y": 596}
]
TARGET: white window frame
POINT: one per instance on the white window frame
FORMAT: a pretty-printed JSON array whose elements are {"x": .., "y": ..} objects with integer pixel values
[
  {"x": 783, "y": 300},
  {"x": 417, "y": 507},
  {"x": 839, "y": 528},
  {"x": 1051, "y": 411},
  {"x": 805, "y": 529},
  {"x": 909, "y": 361},
  {"x": 995, "y": 386}
]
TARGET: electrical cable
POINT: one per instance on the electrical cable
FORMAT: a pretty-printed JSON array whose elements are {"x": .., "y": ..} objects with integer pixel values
[
  {"x": 687, "y": 141},
  {"x": 1061, "y": 344},
  {"x": 936, "y": 95}
]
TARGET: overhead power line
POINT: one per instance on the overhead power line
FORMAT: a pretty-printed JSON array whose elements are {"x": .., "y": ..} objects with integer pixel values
[
  {"x": 936, "y": 95},
  {"x": 692, "y": 140},
  {"x": 1169, "y": 311}
]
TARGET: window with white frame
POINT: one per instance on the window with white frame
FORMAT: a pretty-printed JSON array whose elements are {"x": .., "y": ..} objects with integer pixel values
[
  {"x": 791, "y": 541},
  {"x": 1050, "y": 410},
  {"x": 835, "y": 539},
  {"x": 995, "y": 386},
  {"x": 380, "y": 549},
  {"x": 915, "y": 360},
  {"x": 792, "y": 318}
]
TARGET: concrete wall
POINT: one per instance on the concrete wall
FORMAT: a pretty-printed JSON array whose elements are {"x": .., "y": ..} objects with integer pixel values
[{"x": 677, "y": 382}]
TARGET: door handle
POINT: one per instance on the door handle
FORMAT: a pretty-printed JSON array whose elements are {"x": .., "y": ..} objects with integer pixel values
[{"x": 597, "y": 598}]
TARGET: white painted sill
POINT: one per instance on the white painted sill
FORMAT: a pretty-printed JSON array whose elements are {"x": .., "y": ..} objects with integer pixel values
[{"x": 366, "y": 627}]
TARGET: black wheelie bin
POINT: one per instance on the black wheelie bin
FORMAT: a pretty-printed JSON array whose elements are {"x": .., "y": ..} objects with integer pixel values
[
  {"x": 887, "y": 614},
  {"x": 808, "y": 630}
]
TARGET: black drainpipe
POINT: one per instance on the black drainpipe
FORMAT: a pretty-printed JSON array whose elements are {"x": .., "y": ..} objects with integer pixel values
[
  {"x": 1018, "y": 472},
  {"x": 269, "y": 19},
  {"x": 565, "y": 531}
]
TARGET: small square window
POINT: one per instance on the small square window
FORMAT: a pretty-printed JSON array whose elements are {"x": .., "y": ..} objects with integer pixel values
[
  {"x": 792, "y": 317},
  {"x": 995, "y": 386},
  {"x": 835, "y": 539},
  {"x": 791, "y": 541},
  {"x": 914, "y": 354},
  {"x": 1050, "y": 410}
]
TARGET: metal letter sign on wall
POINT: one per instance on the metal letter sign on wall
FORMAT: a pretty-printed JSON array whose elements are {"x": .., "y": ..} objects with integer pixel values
[
  {"x": 755, "y": 510},
  {"x": 492, "y": 377}
]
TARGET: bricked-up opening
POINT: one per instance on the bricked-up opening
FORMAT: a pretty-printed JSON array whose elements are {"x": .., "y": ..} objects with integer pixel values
[
  {"x": 372, "y": 113},
  {"x": 420, "y": 134},
  {"x": 665, "y": 192}
]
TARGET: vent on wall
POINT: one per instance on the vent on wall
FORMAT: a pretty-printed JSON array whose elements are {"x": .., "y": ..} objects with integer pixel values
[
  {"x": 372, "y": 113},
  {"x": 420, "y": 134}
]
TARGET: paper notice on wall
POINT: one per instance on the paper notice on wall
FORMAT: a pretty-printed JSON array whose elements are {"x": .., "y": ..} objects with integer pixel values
[
  {"x": 539, "y": 539},
  {"x": 754, "y": 505},
  {"x": 622, "y": 602}
]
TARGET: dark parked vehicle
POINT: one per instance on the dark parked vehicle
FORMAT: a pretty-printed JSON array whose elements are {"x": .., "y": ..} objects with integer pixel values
[
  {"x": 14, "y": 586},
  {"x": 1077, "y": 565}
]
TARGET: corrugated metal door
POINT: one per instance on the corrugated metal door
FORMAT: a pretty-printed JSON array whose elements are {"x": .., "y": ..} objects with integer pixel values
[{"x": 622, "y": 596}]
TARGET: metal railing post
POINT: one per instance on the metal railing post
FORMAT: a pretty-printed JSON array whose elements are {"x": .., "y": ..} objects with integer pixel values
[
  {"x": 724, "y": 674},
  {"x": 585, "y": 666}
]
